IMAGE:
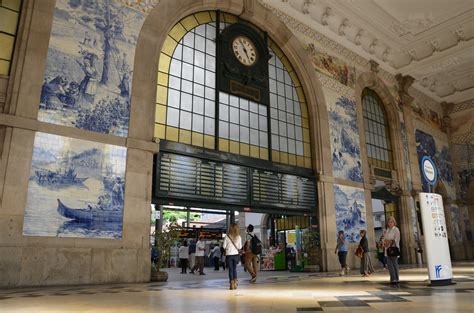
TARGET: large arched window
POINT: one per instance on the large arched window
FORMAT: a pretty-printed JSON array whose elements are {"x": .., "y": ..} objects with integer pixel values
[
  {"x": 377, "y": 133},
  {"x": 9, "y": 15},
  {"x": 191, "y": 110}
]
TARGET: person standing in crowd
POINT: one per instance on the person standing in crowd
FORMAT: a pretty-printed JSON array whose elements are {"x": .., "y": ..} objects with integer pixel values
[
  {"x": 392, "y": 239},
  {"x": 223, "y": 257},
  {"x": 199, "y": 256},
  {"x": 250, "y": 257},
  {"x": 232, "y": 246},
  {"x": 341, "y": 250},
  {"x": 192, "y": 254},
  {"x": 381, "y": 252},
  {"x": 365, "y": 263},
  {"x": 183, "y": 256},
  {"x": 216, "y": 256}
]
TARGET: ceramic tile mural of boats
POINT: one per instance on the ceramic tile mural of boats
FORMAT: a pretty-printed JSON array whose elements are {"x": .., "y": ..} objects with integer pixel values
[{"x": 76, "y": 189}]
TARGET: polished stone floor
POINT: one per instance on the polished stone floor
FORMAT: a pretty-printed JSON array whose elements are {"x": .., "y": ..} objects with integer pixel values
[{"x": 274, "y": 292}]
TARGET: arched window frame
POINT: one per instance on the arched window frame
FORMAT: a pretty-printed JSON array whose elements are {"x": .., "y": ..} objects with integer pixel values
[
  {"x": 377, "y": 131},
  {"x": 298, "y": 146}
]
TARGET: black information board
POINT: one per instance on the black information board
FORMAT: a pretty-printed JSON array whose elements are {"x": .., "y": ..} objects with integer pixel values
[
  {"x": 289, "y": 191},
  {"x": 189, "y": 178},
  {"x": 194, "y": 178}
]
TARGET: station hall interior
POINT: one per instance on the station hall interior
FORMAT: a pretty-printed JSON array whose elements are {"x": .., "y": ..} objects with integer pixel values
[{"x": 134, "y": 130}]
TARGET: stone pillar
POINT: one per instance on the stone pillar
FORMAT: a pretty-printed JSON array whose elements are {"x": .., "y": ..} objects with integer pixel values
[{"x": 406, "y": 201}]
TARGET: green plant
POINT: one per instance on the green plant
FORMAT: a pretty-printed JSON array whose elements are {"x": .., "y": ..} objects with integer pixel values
[
  {"x": 164, "y": 241},
  {"x": 312, "y": 246}
]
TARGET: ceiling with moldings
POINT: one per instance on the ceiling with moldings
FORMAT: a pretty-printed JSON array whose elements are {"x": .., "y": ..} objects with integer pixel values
[{"x": 431, "y": 40}]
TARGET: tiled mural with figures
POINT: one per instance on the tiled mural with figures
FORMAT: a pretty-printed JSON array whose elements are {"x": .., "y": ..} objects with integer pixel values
[
  {"x": 455, "y": 223},
  {"x": 76, "y": 188},
  {"x": 344, "y": 133},
  {"x": 427, "y": 145},
  {"x": 350, "y": 211},
  {"x": 464, "y": 154},
  {"x": 89, "y": 70},
  {"x": 332, "y": 66}
]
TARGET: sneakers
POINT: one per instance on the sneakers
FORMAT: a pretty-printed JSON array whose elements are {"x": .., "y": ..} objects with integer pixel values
[
  {"x": 343, "y": 272},
  {"x": 253, "y": 279},
  {"x": 348, "y": 270}
]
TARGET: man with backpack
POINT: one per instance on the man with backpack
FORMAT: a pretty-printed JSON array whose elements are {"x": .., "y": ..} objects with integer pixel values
[{"x": 253, "y": 247}]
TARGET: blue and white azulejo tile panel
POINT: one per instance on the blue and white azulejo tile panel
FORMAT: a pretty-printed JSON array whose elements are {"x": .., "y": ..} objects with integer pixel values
[
  {"x": 76, "y": 189},
  {"x": 350, "y": 211},
  {"x": 427, "y": 145},
  {"x": 344, "y": 134},
  {"x": 89, "y": 70}
]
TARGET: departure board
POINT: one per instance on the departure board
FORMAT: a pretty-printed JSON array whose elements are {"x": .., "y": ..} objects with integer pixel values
[
  {"x": 184, "y": 177},
  {"x": 290, "y": 191},
  {"x": 194, "y": 178}
]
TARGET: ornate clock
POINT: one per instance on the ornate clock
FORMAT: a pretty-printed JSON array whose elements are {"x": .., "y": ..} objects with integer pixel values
[
  {"x": 244, "y": 50},
  {"x": 243, "y": 62}
]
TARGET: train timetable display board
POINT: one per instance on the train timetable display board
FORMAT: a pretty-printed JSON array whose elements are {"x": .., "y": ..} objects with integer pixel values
[
  {"x": 189, "y": 178},
  {"x": 194, "y": 178},
  {"x": 289, "y": 191}
]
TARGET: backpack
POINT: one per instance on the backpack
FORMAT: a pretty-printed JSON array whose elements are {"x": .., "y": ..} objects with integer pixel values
[{"x": 255, "y": 245}]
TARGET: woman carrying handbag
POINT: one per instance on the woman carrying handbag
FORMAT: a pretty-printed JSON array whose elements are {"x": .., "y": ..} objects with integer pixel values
[
  {"x": 392, "y": 249},
  {"x": 233, "y": 246}
]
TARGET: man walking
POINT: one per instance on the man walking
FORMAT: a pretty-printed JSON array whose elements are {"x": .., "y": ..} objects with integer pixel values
[
  {"x": 252, "y": 249},
  {"x": 199, "y": 256}
]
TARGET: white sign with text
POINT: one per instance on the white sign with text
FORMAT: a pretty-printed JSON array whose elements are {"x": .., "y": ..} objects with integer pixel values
[{"x": 436, "y": 237}]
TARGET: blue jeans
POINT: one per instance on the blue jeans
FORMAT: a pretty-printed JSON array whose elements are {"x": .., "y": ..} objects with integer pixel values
[{"x": 232, "y": 261}]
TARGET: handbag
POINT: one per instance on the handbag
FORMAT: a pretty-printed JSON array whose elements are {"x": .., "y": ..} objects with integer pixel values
[
  {"x": 359, "y": 252},
  {"x": 393, "y": 251}
]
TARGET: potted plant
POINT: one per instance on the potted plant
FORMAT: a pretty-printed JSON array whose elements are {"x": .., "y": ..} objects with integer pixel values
[
  {"x": 312, "y": 246},
  {"x": 163, "y": 242}
]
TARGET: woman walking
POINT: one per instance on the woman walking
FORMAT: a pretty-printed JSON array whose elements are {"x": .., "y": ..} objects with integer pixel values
[
  {"x": 365, "y": 264},
  {"x": 392, "y": 239},
  {"x": 341, "y": 250},
  {"x": 232, "y": 246}
]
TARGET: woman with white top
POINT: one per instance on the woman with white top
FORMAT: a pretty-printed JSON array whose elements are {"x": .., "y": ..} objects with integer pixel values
[
  {"x": 392, "y": 239},
  {"x": 232, "y": 246},
  {"x": 184, "y": 256}
]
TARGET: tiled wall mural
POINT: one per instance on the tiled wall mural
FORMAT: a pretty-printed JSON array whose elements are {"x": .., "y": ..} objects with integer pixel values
[
  {"x": 350, "y": 211},
  {"x": 455, "y": 223},
  {"x": 76, "y": 189},
  {"x": 344, "y": 132},
  {"x": 89, "y": 70},
  {"x": 464, "y": 154},
  {"x": 332, "y": 66},
  {"x": 467, "y": 223},
  {"x": 428, "y": 145}
]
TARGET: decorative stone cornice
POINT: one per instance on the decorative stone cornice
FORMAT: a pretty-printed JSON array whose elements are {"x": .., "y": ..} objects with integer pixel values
[
  {"x": 469, "y": 104},
  {"x": 404, "y": 84},
  {"x": 336, "y": 86},
  {"x": 374, "y": 66},
  {"x": 323, "y": 42}
]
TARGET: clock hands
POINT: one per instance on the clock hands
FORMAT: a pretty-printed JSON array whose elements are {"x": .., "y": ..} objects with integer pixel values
[{"x": 243, "y": 47}]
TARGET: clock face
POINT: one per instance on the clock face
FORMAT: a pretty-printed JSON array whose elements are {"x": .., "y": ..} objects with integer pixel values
[{"x": 244, "y": 50}]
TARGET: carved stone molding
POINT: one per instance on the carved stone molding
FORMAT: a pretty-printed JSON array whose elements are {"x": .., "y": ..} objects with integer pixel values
[
  {"x": 463, "y": 106},
  {"x": 404, "y": 84},
  {"x": 374, "y": 66},
  {"x": 336, "y": 86}
]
